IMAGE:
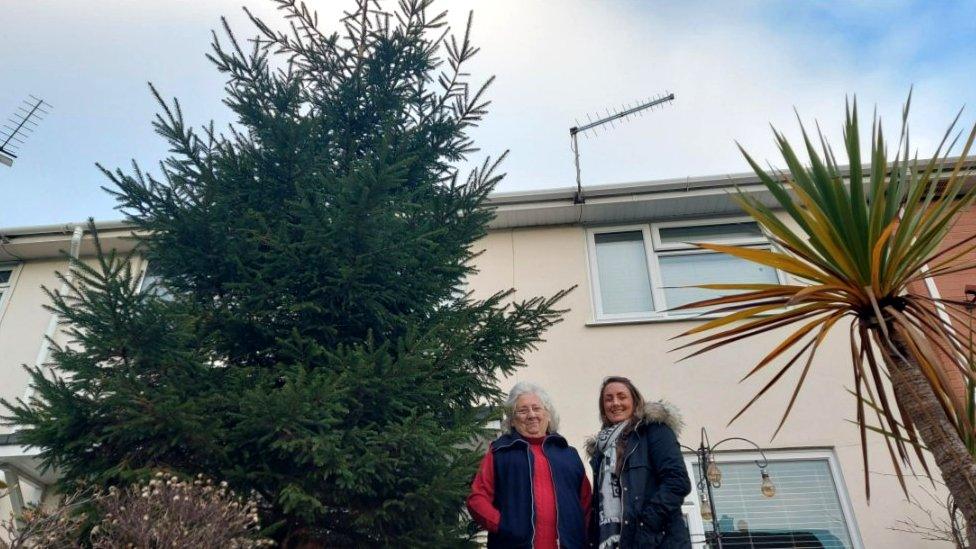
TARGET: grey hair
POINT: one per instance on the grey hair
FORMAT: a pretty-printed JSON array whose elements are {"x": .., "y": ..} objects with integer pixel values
[{"x": 525, "y": 388}]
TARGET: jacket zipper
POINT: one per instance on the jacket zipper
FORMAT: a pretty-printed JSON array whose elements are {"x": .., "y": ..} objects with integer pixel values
[
  {"x": 554, "y": 494},
  {"x": 624, "y": 498},
  {"x": 528, "y": 453}
]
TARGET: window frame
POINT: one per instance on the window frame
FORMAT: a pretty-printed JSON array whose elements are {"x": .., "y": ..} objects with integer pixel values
[
  {"x": 8, "y": 287},
  {"x": 691, "y": 506},
  {"x": 594, "y": 269},
  {"x": 654, "y": 248},
  {"x": 161, "y": 291},
  {"x": 143, "y": 271}
]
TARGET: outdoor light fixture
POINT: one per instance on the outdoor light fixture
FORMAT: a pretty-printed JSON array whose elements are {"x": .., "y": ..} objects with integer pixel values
[
  {"x": 710, "y": 476},
  {"x": 706, "y": 507},
  {"x": 767, "y": 487},
  {"x": 713, "y": 473}
]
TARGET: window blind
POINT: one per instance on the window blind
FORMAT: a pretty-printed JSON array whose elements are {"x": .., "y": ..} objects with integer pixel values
[
  {"x": 625, "y": 286},
  {"x": 705, "y": 268},
  {"x": 805, "y": 512}
]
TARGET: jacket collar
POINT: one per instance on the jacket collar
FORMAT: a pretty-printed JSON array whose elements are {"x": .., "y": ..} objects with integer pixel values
[
  {"x": 513, "y": 438},
  {"x": 661, "y": 411}
]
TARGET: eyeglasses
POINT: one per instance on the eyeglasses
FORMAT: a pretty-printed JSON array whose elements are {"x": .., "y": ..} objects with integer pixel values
[{"x": 522, "y": 412}]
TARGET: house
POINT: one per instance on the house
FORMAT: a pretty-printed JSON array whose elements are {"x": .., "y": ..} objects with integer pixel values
[{"x": 623, "y": 249}]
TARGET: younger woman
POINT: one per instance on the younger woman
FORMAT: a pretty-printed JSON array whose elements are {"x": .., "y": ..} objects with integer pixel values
[{"x": 639, "y": 476}]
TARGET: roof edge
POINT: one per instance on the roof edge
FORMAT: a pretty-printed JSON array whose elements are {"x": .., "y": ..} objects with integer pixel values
[
  {"x": 515, "y": 198},
  {"x": 62, "y": 228},
  {"x": 715, "y": 181}
]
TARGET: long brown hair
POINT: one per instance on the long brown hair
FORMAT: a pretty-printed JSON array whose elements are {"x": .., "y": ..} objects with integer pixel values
[{"x": 635, "y": 395}]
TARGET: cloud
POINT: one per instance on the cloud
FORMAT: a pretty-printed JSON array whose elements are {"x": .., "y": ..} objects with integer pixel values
[
  {"x": 735, "y": 68},
  {"x": 734, "y": 71}
]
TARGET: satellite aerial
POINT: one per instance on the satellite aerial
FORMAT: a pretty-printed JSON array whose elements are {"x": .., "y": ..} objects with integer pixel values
[{"x": 15, "y": 129}]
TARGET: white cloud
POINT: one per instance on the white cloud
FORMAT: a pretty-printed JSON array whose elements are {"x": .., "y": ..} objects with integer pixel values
[{"x": 735, "y": 67}]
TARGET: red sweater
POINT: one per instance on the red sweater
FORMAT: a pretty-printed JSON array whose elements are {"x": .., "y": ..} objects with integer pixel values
[{"x": 480, "y": 502}]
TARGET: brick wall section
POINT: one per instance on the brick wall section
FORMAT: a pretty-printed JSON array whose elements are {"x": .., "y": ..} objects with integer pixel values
[{"x": 952, "y": 286}]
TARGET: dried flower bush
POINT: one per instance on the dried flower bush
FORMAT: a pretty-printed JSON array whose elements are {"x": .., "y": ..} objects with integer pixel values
[
  {"x": 40, "y": 528},
  {"x": 171, "y": 512},
  {"x": 164, "y": 512}
]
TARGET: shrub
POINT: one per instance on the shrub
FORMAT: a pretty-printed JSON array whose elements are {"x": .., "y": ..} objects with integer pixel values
[{"x": 165, "y": 511}]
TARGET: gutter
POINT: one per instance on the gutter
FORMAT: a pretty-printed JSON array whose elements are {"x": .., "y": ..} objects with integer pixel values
[
  {"x": 60, "y": 228},
  {"x": 624, "y": 189},
  {"x": 682, "y": 184}
]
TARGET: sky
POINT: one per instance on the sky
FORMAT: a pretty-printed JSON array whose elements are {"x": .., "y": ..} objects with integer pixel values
[{"x": 735, "y": 67}]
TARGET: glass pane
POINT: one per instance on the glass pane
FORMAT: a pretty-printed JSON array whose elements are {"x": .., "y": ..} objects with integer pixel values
[
  {"x": 152, "y": 281},
  {"x": 805, "y": 512},
  {"x": 625, "y": 286},
  {"x": 710, "y": 233},
  {"x": 707, "y": 268},
  {"x": 5, "y": 276}
]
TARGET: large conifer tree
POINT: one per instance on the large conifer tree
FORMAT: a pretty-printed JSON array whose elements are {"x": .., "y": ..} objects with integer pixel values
[{"x": 313, "y": 342}]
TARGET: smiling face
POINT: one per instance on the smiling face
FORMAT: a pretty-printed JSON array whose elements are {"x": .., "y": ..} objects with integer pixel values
[
  {"x": 530, "y": 418},
  {"x": 618, "y": 403}
]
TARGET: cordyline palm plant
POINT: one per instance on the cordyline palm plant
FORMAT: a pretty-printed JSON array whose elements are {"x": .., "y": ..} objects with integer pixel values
[{"x": 859, "y": 238}]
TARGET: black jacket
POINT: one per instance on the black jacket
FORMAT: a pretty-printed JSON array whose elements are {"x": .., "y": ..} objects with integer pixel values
[{"x": 654, "y": 482}]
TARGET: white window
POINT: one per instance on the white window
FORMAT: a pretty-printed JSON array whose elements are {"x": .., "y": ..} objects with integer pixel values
[
  {"x": 152, "y": 281},
  {"x": 810, "y": 507},
  {"x": 640, "y": 271},
  {"x": 8, "y": 275}
]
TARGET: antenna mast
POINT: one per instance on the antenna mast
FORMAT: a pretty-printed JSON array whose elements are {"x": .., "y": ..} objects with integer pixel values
[
  {"x": 14, "y": 131},
  {"x": 608, "y": 119}
]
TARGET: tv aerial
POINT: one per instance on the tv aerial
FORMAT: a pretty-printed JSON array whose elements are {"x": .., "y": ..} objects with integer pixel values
[
  {"x": 15, "y": 129},
  {"x": 624, "y": 113}
]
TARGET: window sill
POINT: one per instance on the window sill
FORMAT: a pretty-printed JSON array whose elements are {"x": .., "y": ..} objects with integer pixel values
[
  {"x": 649, "y": 319},
  {"x": 659, "y": 318}
]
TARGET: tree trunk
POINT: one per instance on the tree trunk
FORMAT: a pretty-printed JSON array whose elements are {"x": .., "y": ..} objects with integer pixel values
[{"x": 937, "y": 433}]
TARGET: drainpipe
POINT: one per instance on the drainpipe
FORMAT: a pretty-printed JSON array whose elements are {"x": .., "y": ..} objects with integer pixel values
[{"x": 45, "y": 351}]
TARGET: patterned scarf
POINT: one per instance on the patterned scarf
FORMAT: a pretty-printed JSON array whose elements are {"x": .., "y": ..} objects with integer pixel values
[{"x": 611, "y": 505}]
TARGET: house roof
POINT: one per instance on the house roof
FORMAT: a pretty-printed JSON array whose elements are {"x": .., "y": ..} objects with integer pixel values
[
  {"x": 673, "y": 198},
  {"x": 625, "y": 202},
  {"x": 609, "y": 203}
]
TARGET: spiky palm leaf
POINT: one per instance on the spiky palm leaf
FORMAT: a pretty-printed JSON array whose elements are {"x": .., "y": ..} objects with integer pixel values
[{"x": 861, "y": 237}]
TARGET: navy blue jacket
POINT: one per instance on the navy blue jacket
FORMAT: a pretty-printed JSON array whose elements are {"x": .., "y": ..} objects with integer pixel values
[
  {"x": 654, "y": 481},
  {"x": 513, "y": 492}
]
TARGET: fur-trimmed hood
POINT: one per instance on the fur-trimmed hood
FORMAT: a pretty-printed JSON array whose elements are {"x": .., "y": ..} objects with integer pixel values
[{"x": 661, "y": 411}]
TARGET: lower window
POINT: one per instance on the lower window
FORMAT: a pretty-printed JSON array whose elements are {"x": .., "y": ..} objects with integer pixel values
[{"x": 809, "y": 508}]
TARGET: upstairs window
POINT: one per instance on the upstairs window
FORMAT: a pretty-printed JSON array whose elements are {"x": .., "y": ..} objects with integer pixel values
[
  {"x": 641, "y": 271},
  {"x": 621, "y": 259}
]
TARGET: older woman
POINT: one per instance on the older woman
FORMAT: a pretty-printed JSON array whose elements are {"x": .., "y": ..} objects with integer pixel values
[
  {"x": 639, "y": 476},
  {"x": 531, "y": 489}
]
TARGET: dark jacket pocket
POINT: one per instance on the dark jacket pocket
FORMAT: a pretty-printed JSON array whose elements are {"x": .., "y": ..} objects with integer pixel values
[
  {"x": 647, "y": 539},
  {"x": 506, "y": 539}
]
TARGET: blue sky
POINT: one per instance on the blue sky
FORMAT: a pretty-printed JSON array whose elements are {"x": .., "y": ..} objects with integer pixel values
[{"x": 735, "y": 67}]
